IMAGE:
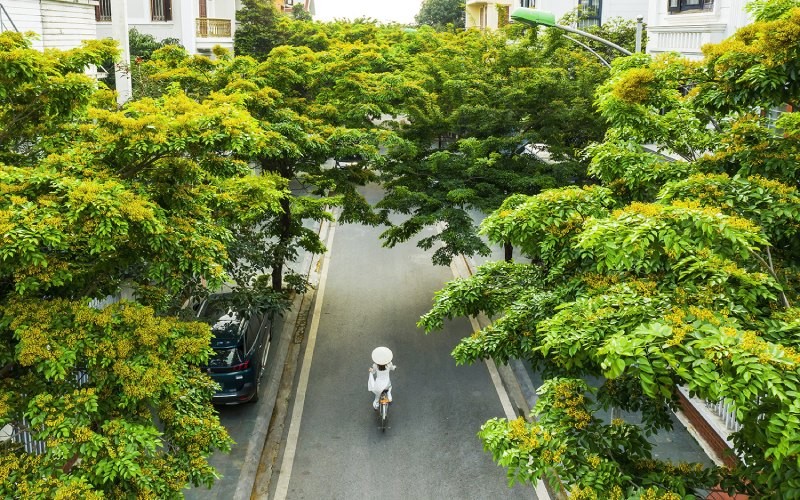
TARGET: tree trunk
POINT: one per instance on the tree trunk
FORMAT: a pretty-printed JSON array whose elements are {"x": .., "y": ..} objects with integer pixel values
[
  {"x": 509, "y": 251},
  {"x": 284, "y": 240}
]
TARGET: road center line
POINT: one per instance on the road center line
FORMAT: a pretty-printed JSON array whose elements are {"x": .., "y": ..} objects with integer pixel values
[{"x": 285, "y": 473}]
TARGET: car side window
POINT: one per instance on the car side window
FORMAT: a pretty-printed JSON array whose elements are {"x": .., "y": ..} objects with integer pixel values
[
  {"x": 242, "y": 350},
  {"x": 252, "y": 332}
]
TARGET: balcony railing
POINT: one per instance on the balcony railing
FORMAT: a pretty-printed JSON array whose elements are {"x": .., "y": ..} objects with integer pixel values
[
  {"x": 213, "y": 28},
  {"x": 102, "y": 11}
]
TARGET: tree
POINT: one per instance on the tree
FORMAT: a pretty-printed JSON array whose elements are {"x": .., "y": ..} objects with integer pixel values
[
  {"x": 141, "y": 47},
  {"x": 487, "y": 102},
  {"x": 95, "y": 199},
  {"x": 315, "y": 104},
  {"x": 299, "y": 13},
  {"x": 670, "y": 273},
  {"x": 440, "y": 13},
  {"x": 259, "y": 28}
]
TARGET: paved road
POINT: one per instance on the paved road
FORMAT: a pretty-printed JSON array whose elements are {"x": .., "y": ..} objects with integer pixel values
[{"x": 374, "y": 296}]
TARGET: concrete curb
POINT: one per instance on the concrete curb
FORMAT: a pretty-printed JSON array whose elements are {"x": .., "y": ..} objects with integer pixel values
[{"x": 273, "y": 441}]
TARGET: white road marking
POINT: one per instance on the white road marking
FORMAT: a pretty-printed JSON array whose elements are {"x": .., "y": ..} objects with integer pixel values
[
  {"x": 505, "y": 401},
  {"x": 285, "y": 474}
]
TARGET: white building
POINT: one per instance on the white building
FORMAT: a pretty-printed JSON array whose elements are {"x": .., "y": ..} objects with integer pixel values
[
  {"x": 684, "y": 26},
  {"x": 61, "y": 24},
  {"x": 490, "y": 14},
  {"x": 198, "y": 24}
]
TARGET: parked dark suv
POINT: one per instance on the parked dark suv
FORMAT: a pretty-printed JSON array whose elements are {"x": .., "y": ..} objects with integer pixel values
[{"x": 241, "y": 343}]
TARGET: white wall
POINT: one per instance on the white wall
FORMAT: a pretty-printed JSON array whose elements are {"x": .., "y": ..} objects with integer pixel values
[
  {"x": 626, "y": 9},
  {"x": 60, "y": 24},
  {"x": 138, "y": 11},
  {"x": 222, "y": 9},
  {"x": 686, "y": 32},
  {"x": 27, "y": 16},
  {"x": 65, "y": 24}
]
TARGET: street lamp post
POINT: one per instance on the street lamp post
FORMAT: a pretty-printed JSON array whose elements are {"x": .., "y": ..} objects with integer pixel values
[{"x": 533, "y": 17}]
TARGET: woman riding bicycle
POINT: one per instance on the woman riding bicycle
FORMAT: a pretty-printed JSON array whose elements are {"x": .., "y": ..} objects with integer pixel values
[{"x": 379, "y": 380}]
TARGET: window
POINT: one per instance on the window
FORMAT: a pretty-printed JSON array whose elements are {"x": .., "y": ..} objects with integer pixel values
[
  {"x": 482, "y": 15},
  {"x": 527, "y": 3},
  {"x": 681, "y": 5},
  {"x": 591, "y": 13},
  {"x": 102, "y": 11},
  {"x": 161, "y": 10}
]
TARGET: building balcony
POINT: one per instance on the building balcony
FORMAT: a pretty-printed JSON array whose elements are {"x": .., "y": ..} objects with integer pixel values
[
  {"x": 685, "y": 39},
  {"x": 213, "y": 28}
]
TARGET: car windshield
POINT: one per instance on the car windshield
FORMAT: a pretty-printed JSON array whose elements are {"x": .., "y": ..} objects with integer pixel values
[
  {"x": 226, "y": 357},
  {"x": 215, "y": 310},
  {"x": 226, "y": 325}
]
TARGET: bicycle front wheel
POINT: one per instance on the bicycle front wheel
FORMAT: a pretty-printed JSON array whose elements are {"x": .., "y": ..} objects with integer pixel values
[{"x": 384, "y": 415}]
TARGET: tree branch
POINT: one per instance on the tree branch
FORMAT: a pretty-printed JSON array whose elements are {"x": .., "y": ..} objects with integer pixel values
[{"x": 771, "y": 270}]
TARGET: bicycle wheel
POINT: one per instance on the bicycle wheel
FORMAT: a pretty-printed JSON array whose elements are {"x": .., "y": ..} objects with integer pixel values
[{"x": 384, "y": 414}]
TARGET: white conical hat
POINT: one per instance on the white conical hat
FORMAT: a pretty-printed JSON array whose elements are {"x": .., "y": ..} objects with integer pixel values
[{"x": 382, "y": 355}]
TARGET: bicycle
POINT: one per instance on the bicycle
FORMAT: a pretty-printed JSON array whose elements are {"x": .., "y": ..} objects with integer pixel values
[{"x": 383, "y": 409}]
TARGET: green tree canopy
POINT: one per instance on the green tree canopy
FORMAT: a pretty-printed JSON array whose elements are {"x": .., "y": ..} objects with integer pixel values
[
  {"x": 672, "y": 273},
  {"x": 485, "y": 104},
  {"x": 441, "y": 13},
  {"x": 314, "y": 103},
  {"x": 259, "y": 28},
  {"x": 95, "y": 200}
]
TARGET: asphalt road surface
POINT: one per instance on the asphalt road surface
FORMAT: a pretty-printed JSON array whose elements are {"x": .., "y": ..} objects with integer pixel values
[{"x": 371, "y": 296}]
